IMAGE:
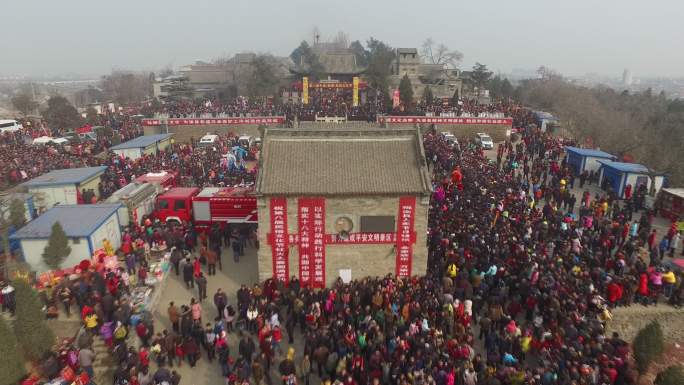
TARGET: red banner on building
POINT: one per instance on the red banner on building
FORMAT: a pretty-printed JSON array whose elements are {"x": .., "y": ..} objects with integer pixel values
[
  {"x": 280, "y": 239},
  {"x": 299, "y": 86},
  {"x": 305, "y": 231},
  {"x": 405, "y": 227},
  {"x": 353, "y": 239},
  {"x": 444, "y": 120},
  {"x": 311, "y": 229},
  {"x": 318, "y": 243},
  {"x": 212, "y": 121}
]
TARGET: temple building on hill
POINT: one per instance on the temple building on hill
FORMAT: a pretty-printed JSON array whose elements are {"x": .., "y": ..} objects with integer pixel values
[{"x": 339, "y": 64}]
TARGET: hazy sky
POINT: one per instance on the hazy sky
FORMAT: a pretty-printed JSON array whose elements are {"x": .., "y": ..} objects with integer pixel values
[{"x": 41, "y": 37}]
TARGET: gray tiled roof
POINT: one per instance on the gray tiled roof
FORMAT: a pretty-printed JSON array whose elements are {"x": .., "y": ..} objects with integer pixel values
[
  {"x": 76, "y": 220},
  {"x": 342, "y": 162},
  {"x": 141, "y": 141},
  {"x": 65, "y": 176}
]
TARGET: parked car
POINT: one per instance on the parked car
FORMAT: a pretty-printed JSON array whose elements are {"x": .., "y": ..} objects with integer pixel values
[
  {"x": 483, "y": 140},
  {"x": 450, "y": 138}
]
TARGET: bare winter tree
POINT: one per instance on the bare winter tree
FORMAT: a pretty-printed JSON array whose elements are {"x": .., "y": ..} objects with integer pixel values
[{"x": 434, "y": 53}]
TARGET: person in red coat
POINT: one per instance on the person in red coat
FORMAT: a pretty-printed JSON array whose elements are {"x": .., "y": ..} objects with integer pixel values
[
  {"x": 643, "y": 287},
  {"x": 614, "y": 292},
  {"x": 196, "y": 267},
  {"x": 651, "y": 239}
]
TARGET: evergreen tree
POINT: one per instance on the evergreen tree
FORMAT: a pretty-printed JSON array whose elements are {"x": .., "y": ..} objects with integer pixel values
[
  {"x": 648, "y": 345},
  {"x": 380, "y": 57},
  {"x": 406, "y": 92},
  {"x": 427, "y": 95},
  {"x": 480, "y": 77},
  {"x": 17, "y": 215},
  {"x": 92, "y": 117},
  {"x": 34, "y": 336},
  {"x": 673, "y": 375},
  {"x": 12, "y": 367},
  {"x": 57, "y": 248},
  {"x": 61, "y": 114}
]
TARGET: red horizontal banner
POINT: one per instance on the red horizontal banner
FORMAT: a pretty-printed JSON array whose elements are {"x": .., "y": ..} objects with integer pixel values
[
  {"x": 444, "y": 120},
  {"x": 336, "y": 85},
  {"x": 355, "y": 239},
  {"x": 188, "y": 122}
]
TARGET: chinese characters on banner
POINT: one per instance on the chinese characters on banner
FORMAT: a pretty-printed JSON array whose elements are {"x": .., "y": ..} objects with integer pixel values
[
  {"x": 353, "y": 239},
  {"x": 405, "y": 227},
  {"x": 305, "y": 90},
  {"x": 280, "y": 239},
  {"x": 395, "y": 103},
  {"x": 355, "y": 94},
  {"x": 319, "y": 243},
  {"x": 445, "y": 120},
  {"x": 193, "y": 121},
  {"x": 304, "y": 229},
  {"x": 312, "y": 241}
]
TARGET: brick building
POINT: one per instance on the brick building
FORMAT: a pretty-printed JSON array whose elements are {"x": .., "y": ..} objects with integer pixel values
[
  {"x": 443, "y": 82},
  {"x": 343, "y": 202}
]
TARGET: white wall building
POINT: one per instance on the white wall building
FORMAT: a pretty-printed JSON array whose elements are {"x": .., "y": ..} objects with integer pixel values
[
  {"x": 86, "y": 226},
  {"x": 64, "y": 186}
]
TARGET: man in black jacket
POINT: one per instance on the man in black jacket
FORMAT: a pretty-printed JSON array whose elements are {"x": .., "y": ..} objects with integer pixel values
[
  {"x": 187, "y": 274},
  {"x": 247, "y": 348}
]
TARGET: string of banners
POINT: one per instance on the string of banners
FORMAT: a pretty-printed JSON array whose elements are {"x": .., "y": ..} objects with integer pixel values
[
  {"x": 210, "y": 121},
  {"x": 444, "y": 120}
]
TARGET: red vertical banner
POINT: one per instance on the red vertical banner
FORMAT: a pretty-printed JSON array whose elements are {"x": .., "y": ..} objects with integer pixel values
[
  {"x": 305, "y": 230},
  {"x": 318, "y": 265},
  {"x": 280, "y": 239},
  {"x": 311, "y": 220},
  {"x": 405, "y": 229}
]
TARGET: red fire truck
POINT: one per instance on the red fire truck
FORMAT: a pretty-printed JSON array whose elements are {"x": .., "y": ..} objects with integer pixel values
[{"x": 208, "y": 206}]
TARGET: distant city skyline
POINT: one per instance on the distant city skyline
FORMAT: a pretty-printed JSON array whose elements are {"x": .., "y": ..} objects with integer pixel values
[{"x": 574, "y": 38}]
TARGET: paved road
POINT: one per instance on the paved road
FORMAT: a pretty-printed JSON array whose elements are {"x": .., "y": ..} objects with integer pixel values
[{"x": 229, "y": 280}]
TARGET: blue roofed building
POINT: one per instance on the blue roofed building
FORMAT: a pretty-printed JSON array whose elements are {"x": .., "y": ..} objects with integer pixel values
[
  {"x": 544, "y": 119},
  {"x": 64, "y": 186},
  {"x": 142, "y": 145},
  {"x": 86, "y": 226},
  {"x": 586, "y": 159},
  {"x": 617, "y": 175}
]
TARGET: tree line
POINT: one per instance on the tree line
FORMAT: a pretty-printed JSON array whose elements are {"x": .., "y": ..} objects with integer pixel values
[{"x": 645, "y": 126}]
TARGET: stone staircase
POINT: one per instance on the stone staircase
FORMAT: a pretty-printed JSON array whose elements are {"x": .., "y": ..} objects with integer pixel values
[{"x": 104, "y": 364}]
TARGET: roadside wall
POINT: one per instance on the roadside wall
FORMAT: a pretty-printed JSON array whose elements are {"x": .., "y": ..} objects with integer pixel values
[{"x": 183, "y": 134}]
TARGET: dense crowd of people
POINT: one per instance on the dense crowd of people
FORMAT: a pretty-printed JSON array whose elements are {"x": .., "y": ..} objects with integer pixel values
[
  {"x": 519, "y": 290},
  {"x": 21, "y": 159},
  {"x": 196, "y": 166},
  {"x": 332, "y": 102},
  {"x": 519, "y": 285}
]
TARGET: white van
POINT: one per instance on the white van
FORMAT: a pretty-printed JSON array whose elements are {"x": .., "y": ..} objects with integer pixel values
[
  {"x": 8, "y": 125},
  {"x": 208, "y": 140},
  {"x": 246, "y": 141}
]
